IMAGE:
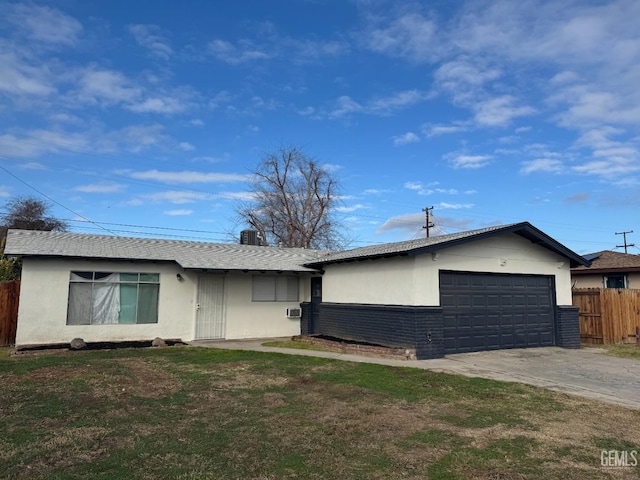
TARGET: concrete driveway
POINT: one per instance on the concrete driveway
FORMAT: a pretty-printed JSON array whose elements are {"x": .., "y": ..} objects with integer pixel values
[{"x": 587, "y": 372}]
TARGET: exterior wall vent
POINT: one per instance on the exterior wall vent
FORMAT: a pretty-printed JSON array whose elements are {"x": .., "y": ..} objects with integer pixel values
[{"x": 294, "y": 312}]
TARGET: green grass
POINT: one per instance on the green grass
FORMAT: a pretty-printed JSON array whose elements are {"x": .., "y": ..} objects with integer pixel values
[
  {"x": 622, "y": 350},
  {"x": 192, "y": 413}
]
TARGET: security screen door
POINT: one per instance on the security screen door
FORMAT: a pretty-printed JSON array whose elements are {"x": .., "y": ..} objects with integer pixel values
[{"x": 210, "y": 313}]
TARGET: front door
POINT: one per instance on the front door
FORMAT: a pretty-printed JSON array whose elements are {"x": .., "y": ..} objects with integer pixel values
[
  {"x": 210, "y": 312},
  {"x": 316, "y": 300}
]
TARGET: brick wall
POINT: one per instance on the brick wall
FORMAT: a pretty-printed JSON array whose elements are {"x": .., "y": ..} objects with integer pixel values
[
  {"x": 419, "y": 328},
  {"x": 567, "y": 327},
  {"x": 306, "y": 326}
]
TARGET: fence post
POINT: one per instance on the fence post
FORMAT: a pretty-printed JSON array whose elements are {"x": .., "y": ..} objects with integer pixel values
[{"x": 637, "y": 336}]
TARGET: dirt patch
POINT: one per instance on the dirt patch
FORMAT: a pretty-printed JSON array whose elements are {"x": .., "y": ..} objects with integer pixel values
[
  {"x": 357, "y": 348},
  {"x": 240, "y": 376},
  {"x": 127, "y": 376}
]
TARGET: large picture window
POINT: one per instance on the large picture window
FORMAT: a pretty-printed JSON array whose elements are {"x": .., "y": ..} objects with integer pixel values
[
  {"x": 269, "y": 288},
  {"x": 107, "y": 298}
]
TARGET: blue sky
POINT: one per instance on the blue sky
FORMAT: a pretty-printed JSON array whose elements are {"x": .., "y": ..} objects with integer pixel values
[{"x": 145, "y": 117}]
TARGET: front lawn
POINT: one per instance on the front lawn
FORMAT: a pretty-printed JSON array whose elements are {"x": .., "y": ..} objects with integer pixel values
[
  {"x": 622, "y": 350},
  {"x": 196, "y": 413}
]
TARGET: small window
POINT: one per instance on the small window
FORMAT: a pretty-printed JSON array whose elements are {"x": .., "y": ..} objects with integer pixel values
[
  {"x": 615, "y": 281},
  {"x": 98, "y": 298},
  {"x": 269, "y": 288}
]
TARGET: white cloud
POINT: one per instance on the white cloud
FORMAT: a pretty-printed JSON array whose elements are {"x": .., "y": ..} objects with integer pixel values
[
  {"x": 150, "y": 37},
  {"x": 405, "y": 139},
  {"x": 101, "y": 188},
  {"x": 547, "y": 165},
  {"x": 19, "y": 78},
  {"x": 44, "y": 24},
  {"x": 188, "y": 177},
  {"x": 186, "y": 146},
  {"x": 33, "y": 166},
  {"x": 247, "y": 196},
  {"x": 345, "y": 105},
  {"x": 431, "y": 189},
  {"x": 465, "y": 80},
  {"x": 307, "y": 111},
  {"x": 411, "y": 222},
  {"x": 211, "y": 159},
  {"x": 34, "y": 143},
  {"x": 443, "y": 129},
  {"x": 196, "y": 122},
  {"x": 160, "y": 104},
  {"x": 245, "y": 51},
  {"x": 174, "y": 196},
  {"x": 106, "y": 86},
  {"x": 331, "y": 167},
  {"x": 136, "y": 137},
  {"x": 413, "y": 185},
  {"x": 454, "y": 206},
  {"x": 219, "y": 99},
  {"x": 375, "y": 191},
  {"x": 411, "y": 36},
  {"x": 611, "y": 159},
  {"x": 468, "y": 161},
  {"x": 178, "y": 212},
  {"x": 500, "y": 111},
  {"x": 351, "y": 208}
]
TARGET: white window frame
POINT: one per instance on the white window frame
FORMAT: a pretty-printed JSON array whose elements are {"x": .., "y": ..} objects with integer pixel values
[
  {"x": 96, "y": 279},
  {"x": 625, "y": 280}
]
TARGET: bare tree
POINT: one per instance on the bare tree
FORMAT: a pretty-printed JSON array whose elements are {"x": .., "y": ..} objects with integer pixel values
[
  {"x": 28, "y": 213},
  {"x": 294, "y": 200}
]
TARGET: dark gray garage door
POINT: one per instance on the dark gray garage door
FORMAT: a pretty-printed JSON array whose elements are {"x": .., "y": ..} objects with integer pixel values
[{"x": 488, "y": 311}]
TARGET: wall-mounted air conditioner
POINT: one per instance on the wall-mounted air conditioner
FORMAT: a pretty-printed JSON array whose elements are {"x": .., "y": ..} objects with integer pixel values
[{"x": 294, "y": 312}]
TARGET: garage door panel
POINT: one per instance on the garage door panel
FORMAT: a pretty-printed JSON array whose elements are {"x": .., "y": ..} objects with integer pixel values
[{"x": 484, "y": 311}]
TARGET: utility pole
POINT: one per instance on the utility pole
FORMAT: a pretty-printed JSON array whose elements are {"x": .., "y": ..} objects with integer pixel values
[
  {"x": 428, "y": 223},
  {"x": 624, "y": 234}
]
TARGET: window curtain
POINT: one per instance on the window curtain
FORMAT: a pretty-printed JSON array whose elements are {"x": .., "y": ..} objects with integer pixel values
[
  {"x": 79, "y": 312},
  {"x": 106, "y": 299}
]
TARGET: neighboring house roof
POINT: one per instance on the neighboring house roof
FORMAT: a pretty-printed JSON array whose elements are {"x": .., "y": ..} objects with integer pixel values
[
  {"x": 189, "y": 255},
  {"x": 432, "y": 244},
  {"x": 608, "y": 261}
]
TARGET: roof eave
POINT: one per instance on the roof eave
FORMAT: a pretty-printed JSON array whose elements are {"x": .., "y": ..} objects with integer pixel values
[
  {"x": 599, "y": 270},
  {"x": 524, "y": 229}
]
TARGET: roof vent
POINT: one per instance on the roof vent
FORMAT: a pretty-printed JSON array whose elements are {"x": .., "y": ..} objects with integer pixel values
[{"x": 250, "y": 237}]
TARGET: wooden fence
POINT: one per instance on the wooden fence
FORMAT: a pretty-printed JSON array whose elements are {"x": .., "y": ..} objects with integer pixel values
[
  {"x": 9, "y": 296},
  {"x": 607, "y": 315}
]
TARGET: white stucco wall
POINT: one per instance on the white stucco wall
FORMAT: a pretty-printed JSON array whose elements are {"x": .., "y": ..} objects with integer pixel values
[
  {"x": 44, "y": 295},
  {"x": 415, "y": 280},
  {"x": 596, "y": 280},
  {"x": 247, "y": 319}
]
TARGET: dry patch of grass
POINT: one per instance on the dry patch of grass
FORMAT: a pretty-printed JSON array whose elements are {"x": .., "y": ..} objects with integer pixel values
[
  {"x": 622, "y": 350},
  {"x": 207, "y": 413}
]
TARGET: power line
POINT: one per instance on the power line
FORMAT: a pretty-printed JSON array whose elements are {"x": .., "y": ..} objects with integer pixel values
[
  {"x": 428, "y": 223},
  {"x": 54, "y": 201},
  {"x": 624, "y": 234}
]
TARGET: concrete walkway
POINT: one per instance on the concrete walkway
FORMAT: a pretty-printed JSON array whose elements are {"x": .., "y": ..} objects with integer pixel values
[{"x": 586, "y": 372}]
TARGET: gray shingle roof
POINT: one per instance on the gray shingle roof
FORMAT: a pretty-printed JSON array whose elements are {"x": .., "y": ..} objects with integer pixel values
[
  {"x": 415, "y": 247},
  {"x": 189, "y": 255}
]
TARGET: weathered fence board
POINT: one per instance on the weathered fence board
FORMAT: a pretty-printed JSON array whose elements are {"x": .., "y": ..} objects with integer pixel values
[
  {"x": 607, "y": 315},
  {"x": 9, "y": 297}
]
